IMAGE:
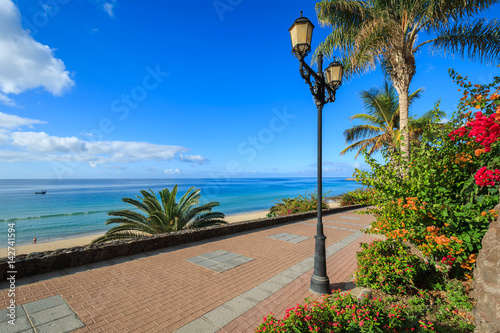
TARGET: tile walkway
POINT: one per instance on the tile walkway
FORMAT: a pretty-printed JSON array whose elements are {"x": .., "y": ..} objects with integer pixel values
[{"x": 225, "y": 284}]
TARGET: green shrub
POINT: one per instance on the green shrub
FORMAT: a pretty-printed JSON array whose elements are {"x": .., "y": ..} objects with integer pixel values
[
  {"x": 388, "y": 266},
  {"x": 359, "y": 196},
  {"x": 300, "y": 204}
]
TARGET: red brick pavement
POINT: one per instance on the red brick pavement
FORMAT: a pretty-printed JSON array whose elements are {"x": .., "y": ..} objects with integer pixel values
[{"x": 162, "y": 292}]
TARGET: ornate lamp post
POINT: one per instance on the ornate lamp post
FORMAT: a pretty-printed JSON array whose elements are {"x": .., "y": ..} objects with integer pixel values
[{"x": 323, "y": 92}]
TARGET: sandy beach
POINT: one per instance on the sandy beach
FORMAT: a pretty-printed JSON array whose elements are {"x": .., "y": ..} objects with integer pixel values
[{"x": 80, "y": 241}]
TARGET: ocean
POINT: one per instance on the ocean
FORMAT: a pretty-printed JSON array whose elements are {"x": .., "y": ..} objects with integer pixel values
[{"x": 79, "y": 207}]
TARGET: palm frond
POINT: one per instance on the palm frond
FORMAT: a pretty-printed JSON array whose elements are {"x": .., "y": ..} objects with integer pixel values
[
  {"x": 128, "y": 215},
  {"x": 360, "y": 145},
  {"x": 478, "y": 40},
  {"x": 361, "y": 131}
]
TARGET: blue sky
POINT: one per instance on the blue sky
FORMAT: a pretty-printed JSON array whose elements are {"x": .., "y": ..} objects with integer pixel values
[{"x": 177, "y": 88}]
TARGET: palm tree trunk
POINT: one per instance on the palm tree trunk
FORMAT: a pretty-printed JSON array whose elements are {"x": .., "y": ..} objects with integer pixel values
[{"x": 403, "y": 123}]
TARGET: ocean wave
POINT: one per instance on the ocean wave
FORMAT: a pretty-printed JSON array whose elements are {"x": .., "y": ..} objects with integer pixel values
[{"x": 52, "y": 215}]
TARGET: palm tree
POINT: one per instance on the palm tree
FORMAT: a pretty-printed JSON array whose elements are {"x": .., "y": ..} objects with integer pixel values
[
  {"x": 418, "y": 125},
  {"x": 161, "y": 216},
  {"x": 382, "y": 121},
  {"x": 386, "y": 31}
]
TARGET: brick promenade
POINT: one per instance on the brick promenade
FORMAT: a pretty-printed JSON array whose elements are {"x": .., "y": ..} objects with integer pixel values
[{"x": 160, "y": 291}]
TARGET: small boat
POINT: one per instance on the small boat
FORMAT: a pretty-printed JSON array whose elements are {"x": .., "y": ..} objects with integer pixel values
[{"x": 40, "y": 192}]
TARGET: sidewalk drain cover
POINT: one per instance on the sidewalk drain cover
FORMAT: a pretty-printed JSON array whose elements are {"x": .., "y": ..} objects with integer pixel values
[
  {"x": 220, "y": 260},
  {"x": 289, "y": 237},
  {"x": 49, "y": 315}
]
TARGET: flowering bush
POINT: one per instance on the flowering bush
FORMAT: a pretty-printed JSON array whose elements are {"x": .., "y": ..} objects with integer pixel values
[
  {"x": 300, "y": 204},
  {"x": 442, "y": 200},
  {"x": 359, "y": 196},
  {"x": 388, "y": 266},
  {"x": 341, "y": 313}
]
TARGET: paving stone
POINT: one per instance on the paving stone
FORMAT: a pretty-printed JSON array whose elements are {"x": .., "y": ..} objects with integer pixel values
[
  {"x": 221, "y": 316},
  {"x": 50, "y": 314},
  {"x": 281, "y": 279},
  {"x": 18, "y": 311},
  {"x": 207, "y": 263},
  {"x": 290, "y": 273},
  {"x": 344, "y": 222},
  {"x": 289, "y": 237},
  {"x": 43, "y": 304},
  {"x": 198, "y": 326},
  {"x": 270, "y": 286},
  {"x": 61, "y": 325},
  {"x": 22, "y": 325},
  {"x": 236, "y": 262},
  {"x": 240, "y": 304},
  {"x": 350, "y": 217},
  {"x": 219, "y": 268},
  {"x": 256, "y": 294},
  {"x": 301, "y": 267},
  {"x": 213, "y": 254},
  {"x": 195, "y": 260},
  {"x": 226, "y": 256}
]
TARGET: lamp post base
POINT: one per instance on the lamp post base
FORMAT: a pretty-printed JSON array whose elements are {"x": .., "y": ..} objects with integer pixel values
[{"x": 320, "y": 285}]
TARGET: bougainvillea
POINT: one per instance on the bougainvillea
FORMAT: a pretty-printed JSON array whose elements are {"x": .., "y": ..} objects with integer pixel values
[
  {"x": 442, "y": 200},
  {"x": 485, "y": 177}
]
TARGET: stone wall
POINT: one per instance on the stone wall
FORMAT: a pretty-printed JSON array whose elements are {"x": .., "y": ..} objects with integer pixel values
[
  {"x": 487, "y": 281},
  {"x": 43, "y": 262}
]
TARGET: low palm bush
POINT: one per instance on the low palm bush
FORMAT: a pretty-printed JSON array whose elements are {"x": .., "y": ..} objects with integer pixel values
[{"x": 161, "y": 215}]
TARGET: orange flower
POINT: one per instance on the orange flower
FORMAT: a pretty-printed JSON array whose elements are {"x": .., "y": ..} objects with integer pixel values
[
  {"x": 478, "y": 152},
  {"x": 446, "y": 224},
  {"x": 483, "y": 214},
  {"x": 472, "y": 258},
  {"x": 465, "y": 265}
]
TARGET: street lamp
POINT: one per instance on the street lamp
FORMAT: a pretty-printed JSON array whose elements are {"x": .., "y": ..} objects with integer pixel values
[{"x": 323, "y": 92}]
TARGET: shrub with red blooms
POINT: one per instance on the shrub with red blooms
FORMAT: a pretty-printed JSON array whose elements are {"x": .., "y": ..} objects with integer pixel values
[
  {"x": 485, "y": 177},
  {"x": 444, "y": 201},
  {"x": 342, "y": 313},
  {"x": 485, "y": 129}
]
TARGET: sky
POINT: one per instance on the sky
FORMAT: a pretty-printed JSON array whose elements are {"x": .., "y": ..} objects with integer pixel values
[{"x": 178, "y": 88}]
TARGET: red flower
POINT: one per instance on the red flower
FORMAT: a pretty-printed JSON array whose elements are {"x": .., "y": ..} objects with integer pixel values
[{"x": 485, "y": 177}]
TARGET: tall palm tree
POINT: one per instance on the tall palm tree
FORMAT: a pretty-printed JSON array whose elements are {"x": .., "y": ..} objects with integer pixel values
[
  {"x": 369, "y": 32},
  {"x": 382, "y": 121},
  {"x": 161, "y": 216}
]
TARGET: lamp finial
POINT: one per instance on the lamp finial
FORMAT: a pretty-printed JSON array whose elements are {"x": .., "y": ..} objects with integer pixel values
[{"x": 300, "y": 13}]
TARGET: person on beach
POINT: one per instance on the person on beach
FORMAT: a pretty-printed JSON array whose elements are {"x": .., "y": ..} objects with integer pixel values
[{"x": 34, "y": 240}]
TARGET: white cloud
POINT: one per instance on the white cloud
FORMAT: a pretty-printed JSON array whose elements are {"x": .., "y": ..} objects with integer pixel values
[
  {"x": 171, "y": 171},
  {"x": 108, "y": 7},
  {"x": 25, "y": 63},
  {"x": 6, "y": 100},
  {"x": 12, "y": 121},
  {"x": 44, "y": 147},
  {"x": 30, "y": 146},
  {"x": 193, "y": 159}
]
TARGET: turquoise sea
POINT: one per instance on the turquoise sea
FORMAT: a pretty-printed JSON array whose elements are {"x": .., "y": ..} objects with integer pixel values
[{"x": 79, "y": 207}]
